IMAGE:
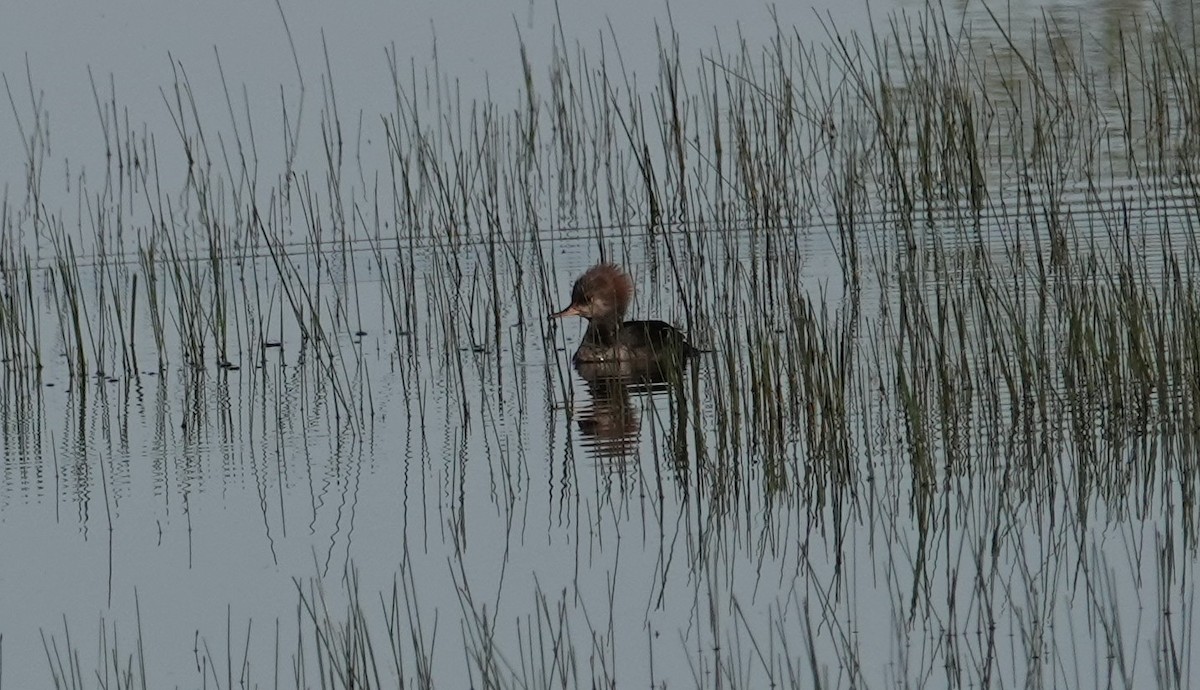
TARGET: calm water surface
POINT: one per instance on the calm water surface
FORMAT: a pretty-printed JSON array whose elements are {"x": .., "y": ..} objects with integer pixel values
[{"x": 672, "y": 534}]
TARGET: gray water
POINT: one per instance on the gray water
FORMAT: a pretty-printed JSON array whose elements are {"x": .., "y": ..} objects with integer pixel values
[{"x": 674, "y": 535}]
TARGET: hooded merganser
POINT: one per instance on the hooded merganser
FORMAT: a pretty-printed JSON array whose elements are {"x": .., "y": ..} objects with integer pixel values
[{"x": 601, "y": 295}]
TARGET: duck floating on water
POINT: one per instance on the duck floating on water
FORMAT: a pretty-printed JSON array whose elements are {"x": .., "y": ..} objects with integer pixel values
[{"x": 602, "y": 295}]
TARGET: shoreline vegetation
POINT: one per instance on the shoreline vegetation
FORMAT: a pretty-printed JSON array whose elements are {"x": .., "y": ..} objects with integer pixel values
[{"x": 1004, "y": 334}]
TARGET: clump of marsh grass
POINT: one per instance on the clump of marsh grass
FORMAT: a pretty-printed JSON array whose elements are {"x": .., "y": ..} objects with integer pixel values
[{"x": 340, "y": 641}]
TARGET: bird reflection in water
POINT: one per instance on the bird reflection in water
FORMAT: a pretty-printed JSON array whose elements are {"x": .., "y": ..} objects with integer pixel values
[{"x": 610, "y": 422}]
